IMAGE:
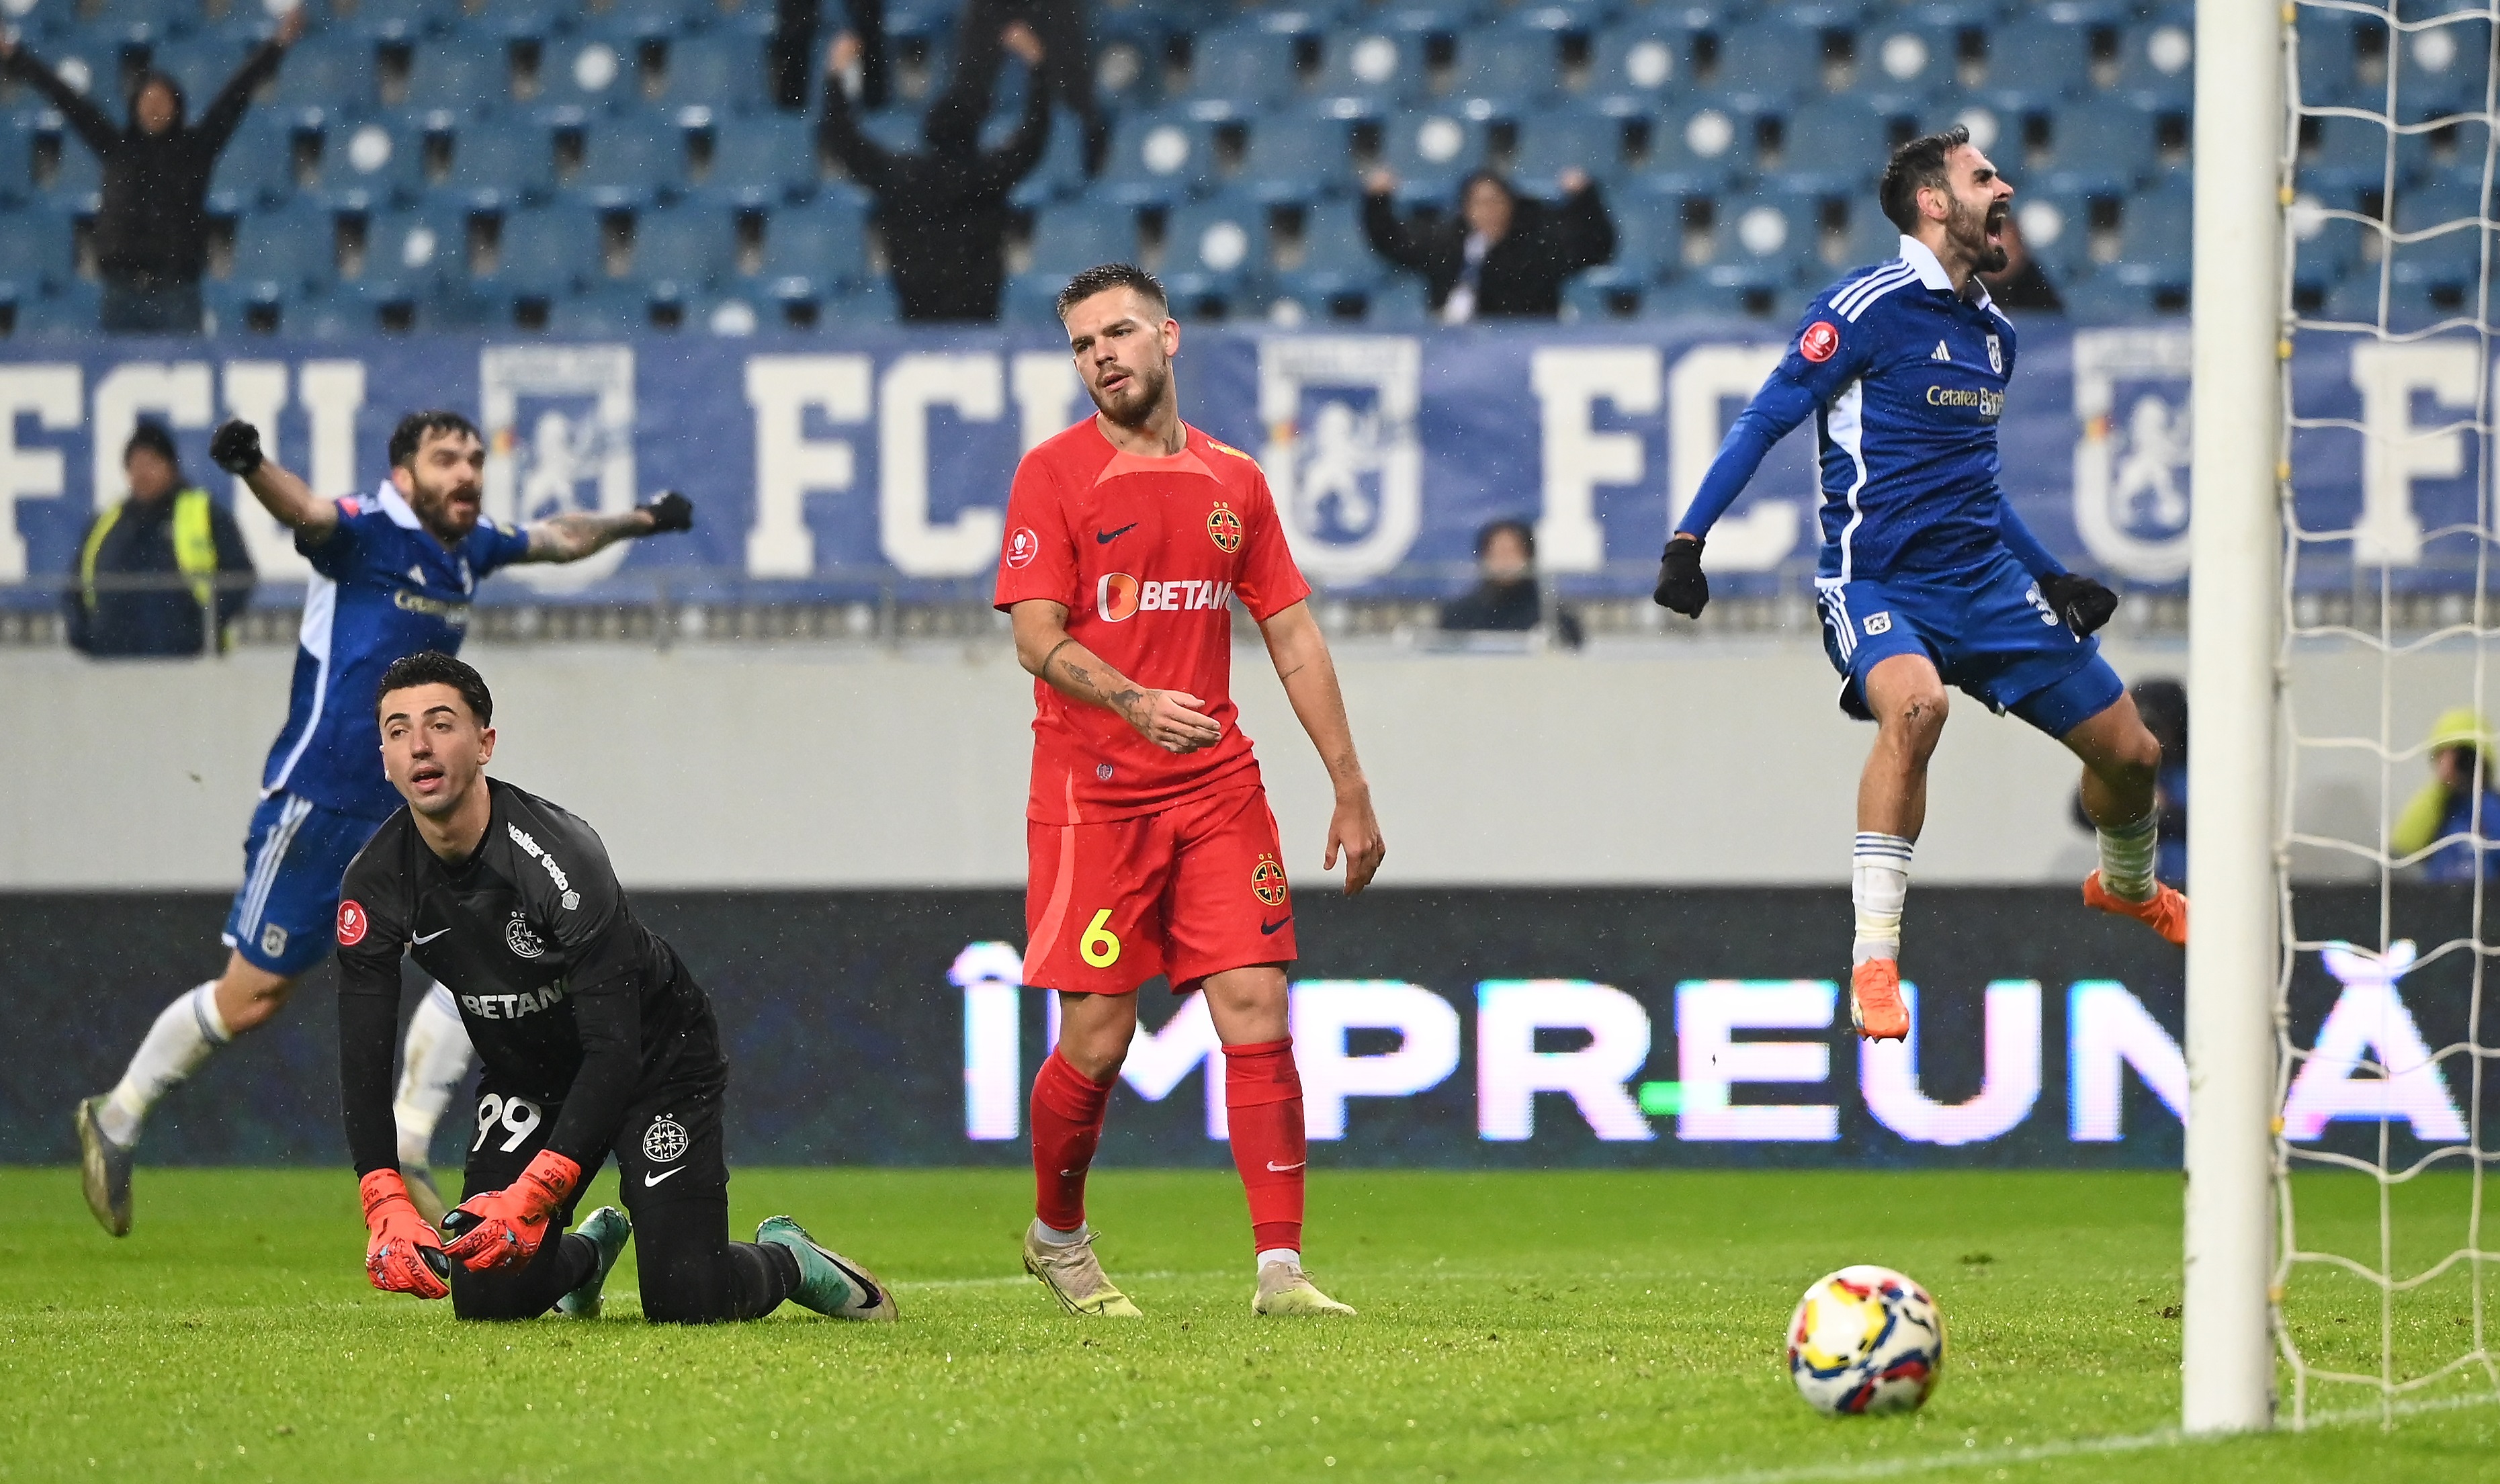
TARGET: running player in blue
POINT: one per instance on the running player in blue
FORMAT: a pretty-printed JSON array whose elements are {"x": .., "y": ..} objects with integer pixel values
[
  {"x": 1928, "y": 575},
  {"x": 393, "y": 576}
]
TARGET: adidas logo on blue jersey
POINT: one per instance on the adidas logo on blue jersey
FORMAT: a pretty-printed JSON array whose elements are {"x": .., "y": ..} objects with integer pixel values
[{"x": 1940, "y": 353}]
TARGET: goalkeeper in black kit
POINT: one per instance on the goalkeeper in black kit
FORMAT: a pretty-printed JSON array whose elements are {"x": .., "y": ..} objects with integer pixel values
[{"x": 595, "y": 1041}]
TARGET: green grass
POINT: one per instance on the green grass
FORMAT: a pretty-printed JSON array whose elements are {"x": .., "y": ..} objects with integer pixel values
[{"x": 1565, "y": 1326}]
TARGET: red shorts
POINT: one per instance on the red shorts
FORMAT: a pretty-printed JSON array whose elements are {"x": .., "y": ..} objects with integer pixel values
[{"x": 1195, "y": 890}]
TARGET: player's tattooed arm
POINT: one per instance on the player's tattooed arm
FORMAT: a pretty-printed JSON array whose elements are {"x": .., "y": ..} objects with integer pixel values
[
  {"x": 235, "y": 448},
  {"x": 1308, "y": 671},
  {"x": 570, "y": 537},
  {"x": 1170, "y": 719}
]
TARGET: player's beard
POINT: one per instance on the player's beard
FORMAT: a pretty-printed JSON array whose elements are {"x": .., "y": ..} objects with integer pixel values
[
  {"x": 448, "y": 512},
  {"x": 1968, "y": 229},
  {"x": 1145, "y": 391}
]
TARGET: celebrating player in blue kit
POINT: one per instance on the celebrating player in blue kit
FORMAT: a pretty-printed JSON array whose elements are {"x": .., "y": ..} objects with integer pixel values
[
  {"x": 393, "y": 576},
  {"x": 1928, "y": 575}
]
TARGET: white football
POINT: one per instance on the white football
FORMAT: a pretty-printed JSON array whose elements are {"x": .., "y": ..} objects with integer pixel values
[{"x": 1866, "y": 1340}]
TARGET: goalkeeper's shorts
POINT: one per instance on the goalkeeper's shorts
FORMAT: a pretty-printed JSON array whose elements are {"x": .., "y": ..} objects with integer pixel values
[{"x": 1986, "y": 630}]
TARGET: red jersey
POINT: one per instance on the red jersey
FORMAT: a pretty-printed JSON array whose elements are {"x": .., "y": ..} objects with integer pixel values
[{"x": 1147, "y": 553}]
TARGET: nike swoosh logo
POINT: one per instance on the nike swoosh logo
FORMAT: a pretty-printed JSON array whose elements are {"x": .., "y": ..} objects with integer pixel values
[
  {"x": 427, "y": 938},
  {"x": 1286, "y": 1168},
  {"x": 1105, "y": 538},
  {"x": 1269, "y": 929},
  {"x": 649, "y": 1180}
]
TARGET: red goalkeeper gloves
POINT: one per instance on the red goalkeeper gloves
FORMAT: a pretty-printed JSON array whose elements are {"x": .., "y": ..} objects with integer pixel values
[
  {"x": 505, "y": 1227},
  {"x": 405, "y": 1256}
]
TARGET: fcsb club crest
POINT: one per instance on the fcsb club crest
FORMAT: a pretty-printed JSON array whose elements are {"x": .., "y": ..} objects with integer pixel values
[
  {"x": 664, "y": 1141},
  {"x": 1267, "y": 882},
  {"x": 518, "y": 937},
  {"x": 1224, "y": 527}
]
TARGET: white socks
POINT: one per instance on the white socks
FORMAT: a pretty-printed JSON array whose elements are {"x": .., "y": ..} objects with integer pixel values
[
  {"x": 1051, "y": 1236},
  {"x": 1291, "y": 1257},
  {"x": 1879, "y": 882},
  {"x": 183, "y": 1035},
  {"x": 2128, "y": 854},
  {"x": 438, "y": 1055}
]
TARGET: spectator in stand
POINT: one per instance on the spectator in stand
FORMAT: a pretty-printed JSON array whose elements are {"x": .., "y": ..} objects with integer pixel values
[
  {"x": 1065, "y": 29},
  {"x": 187, "y": 543},
  {"x": 1507, "y": 597},
  {"x": 2163, "y": 705},
  {"x": 151, "y": 232},
  {"x": 1502, "y": 255},
  {"x": 942, "y": 211},
  {"x": 2024, "y": 286},
  {"x": 2457, "y": 801},
  {"x": 794, "y": 47}
]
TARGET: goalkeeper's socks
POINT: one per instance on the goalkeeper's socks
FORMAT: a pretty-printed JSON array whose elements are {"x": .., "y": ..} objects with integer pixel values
[
  {"x": 1067, "y": 1124},
  {"x": 1263, "y": 1098},
  {"x": 1879, "y": 883},
  {"x": 438, "y": 1056},
  {"x": 2128, "y": 854},
  {"x": 182, "y": 1037},
  {"x": 1289, "y": 1256}
]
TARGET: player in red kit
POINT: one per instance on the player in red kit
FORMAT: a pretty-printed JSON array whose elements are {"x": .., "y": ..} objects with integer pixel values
[{"x": 1152, "y": 849}]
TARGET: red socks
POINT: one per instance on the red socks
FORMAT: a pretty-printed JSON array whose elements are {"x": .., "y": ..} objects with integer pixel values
[
  {"x": 1263, "y": 1095},
  {"x": 1067, "y": 1125}
]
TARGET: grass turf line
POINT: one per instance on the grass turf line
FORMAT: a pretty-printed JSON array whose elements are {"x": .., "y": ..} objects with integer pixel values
[{"x": 1547, "y": 1326}]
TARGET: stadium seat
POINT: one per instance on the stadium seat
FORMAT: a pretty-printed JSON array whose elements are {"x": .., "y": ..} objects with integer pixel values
[
  {"x": 2155, "y": 227},
  {"x": 2440, "y": 69},
  {"x": 1213, "y": 247},
  {"x": 1699, "y": 150},
  {"x": 761, "y": 161},
  {"x": 715, "y": 70},
  {"x": 2329, "y": 48},
  {"x": 257, "y": 165},
  {"x": 1764, "y": 240},
  {"x": 411, "y": 252},
  {"x": 202, "y": 64},
  {"x": 1368, "y": 73},
  {"x": 1909, "y": 55},
  {"x": 16, "y": 161},
  {"x": 1561, "y": 140},
  {"x": 2156, "y": 62},
  {"x": 135, "y": 21},
  {"x": 821, "y": 248},
  {"x": 464, "y": 75},
  {"x": 1428, "y": 19},
  {"x": 296, "y": 246},
  {"x": 547, "y": 252},
  {"x": 1429, "y": 153},
  {"x": 2445, "y": 255},
  {"x": 629, "y": 162},
  {"x": 332, "y": 73},
  {"x": 1402, "y": 303},
  {"x": 398, "y": 19},
  {"x": 690, "y": 246},
  {"x": 2326, "y": 249},
  {"x": 1154, "y": 159},
  {"x": 37, "y": 245},
  {"x": 1870, "y": 236},
  {"x": 1634, "y": 68},
  {"x": 1649, "y": 232},
  {"x": 604, "y": 311},
  {"x": 1060, "y": 172},
  {"x": 1069, "y": 239},
  {"x": 865, "y": 305},
  {"x": 1567, "y": 17},
  {"x": 2098, "y": 149},
  {"x": 1601, "y": 294},
  {"x": 2040, "y": 57},
  {"x": 2057, "y": 231},
  {"x": 64, "y": 316},
  {"x": 76, "y": 177},
  {"x": 370, "y": 163},
  {"x": 1237, "y": 70},
  {"x": 596, "y": 69},
  {"x": 1295, "y": 157},
  {"x": 242, "y": 307},
  {"x": 2342, "y": 155},
  {"x": 1836, "y": 145},
  {"x": 1503, "y": 72},
  {"x": 1032, "y": 299},
  {"x": 1767, "y": 62},
  {"x": 497, "y": 166}
]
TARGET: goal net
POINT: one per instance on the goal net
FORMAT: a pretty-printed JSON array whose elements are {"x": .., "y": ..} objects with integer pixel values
[{"x": 2383, "y": 1256}]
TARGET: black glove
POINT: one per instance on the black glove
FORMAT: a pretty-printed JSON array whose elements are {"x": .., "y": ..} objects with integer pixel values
[
  {"x": 235, "y": 448},
  {"x": 672, "y": 511},
  {"x": 2084, "y": 605},
  {"x": 1681, "y": 585}
]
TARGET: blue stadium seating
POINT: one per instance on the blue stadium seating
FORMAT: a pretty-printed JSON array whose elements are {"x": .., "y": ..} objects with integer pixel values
[
  {"x": 1699, "y": 150},
  {"x": 1871, "y": 236},
  {"x": 689, "y": 246},
  {"x": 397, "y": 18},
  {"x": 1069, "y": 239},
  {"x": 36, "y": 247},
  {"x": 1156, "y": 160},
  {"x": 1237, "y": 70},
  {"x": 762, "y": 161},
  {"x": 1908, "y": 54},
  {"x": 606, "y": 311},
  {"x": 370, "y": 162},
  {"x": 1213, "y": 247},
  {"x": 16, "y": 161},
  {"x": 2156, "y": 62},
  {"x": 546, "y": 253},
  {"x": 2125, "y": 290},
  {"x": 296, "y": 246},
  {"x": 498, "y": 165},
  {"x": 718, "y": 70},
  {"x": 2154, "y": 228},
  {"x": 1634, "y": 68},
  {"x": 464, "y": 75},
  {"x": 1431, "y": 152},
  {"x": 1601, "y": 294},
  {"x": 1501, "y": 71},
  {"x": 1295, "y": 157},
  {"x": 2440, "y": 68},
  {"x": 1833, "y": 144},
  {"x": 239, "y": 307},
  {"x": 1336, "y": 258},
  {"x": 594, "y": 69},
  {"x": 2056, "y": 230},
  {"x": 2349, "y": 155},
  {"x": 2098, "y": 148},
  {"x": 1567, "y": 139},
  {"x": 1649, "y": 232},
  {"x": 1367, "y": 74},
  {"x": 65, "y": 314},
  {"x": 414, "y": 251},
  {"x": 2041, "y": 59},
  {"x": 332, "y": 73},
  {"x": 76, "y": 178},
  {"x": 1766, "y": 63},
  {"x": 201, "y": 64},
  {"x": 1764, "y": 241},
  {"x": 629, "y": 162},
  {"x": 816, "y": 251},
  {"x": 1400, "y": 303},
  {"x": 257, "y": 166},
  {"x": 2328, "y": 44},
  {"x": 1061, "y": 171}
]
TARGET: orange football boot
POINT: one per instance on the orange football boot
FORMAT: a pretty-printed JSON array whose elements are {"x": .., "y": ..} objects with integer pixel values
[
  {"x": 1875, "y": 1004},
  {"x": 2165, "y": 912}
]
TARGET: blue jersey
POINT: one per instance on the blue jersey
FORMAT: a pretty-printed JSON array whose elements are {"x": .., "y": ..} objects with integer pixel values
[
  {"x": 1905, "y": 381},
  {"x": 382, "y": 589}
]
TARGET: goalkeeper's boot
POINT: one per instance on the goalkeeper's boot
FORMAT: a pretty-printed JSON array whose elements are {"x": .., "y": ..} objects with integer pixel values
[
  {"x": 606, "y": 1227},
  {"x": 106, "y": 1168},
  {"x": 2165, "y": 912},
  {"x": 1074, "y": 1274},
  {"x": 423, "y": 1195},
  {"x": 1285, "y": 1289},
  {"x": 1875, "y": 1004},
  {"x": 830, "y": 1283}
]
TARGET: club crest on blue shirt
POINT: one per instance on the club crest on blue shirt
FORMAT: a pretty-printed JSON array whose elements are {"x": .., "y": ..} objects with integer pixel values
[{"x": 1995, "y": 354}]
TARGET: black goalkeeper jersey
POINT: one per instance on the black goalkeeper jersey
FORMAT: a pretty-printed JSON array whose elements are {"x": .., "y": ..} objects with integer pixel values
[{"x": 568, "y": 999}]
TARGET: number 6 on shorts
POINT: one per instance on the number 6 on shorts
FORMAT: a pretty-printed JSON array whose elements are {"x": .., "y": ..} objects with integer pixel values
[
  {"x": 518, "y": 1116},
  {"x": 1099, "y": 945}
]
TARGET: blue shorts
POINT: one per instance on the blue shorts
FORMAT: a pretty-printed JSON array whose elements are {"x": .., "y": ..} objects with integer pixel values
[
  {"x": 1987, "y": 629},
  {"x": 285, "y": 917}
]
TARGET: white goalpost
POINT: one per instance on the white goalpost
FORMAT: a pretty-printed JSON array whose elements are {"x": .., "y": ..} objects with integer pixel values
[{"x": 2344, "y": 207}]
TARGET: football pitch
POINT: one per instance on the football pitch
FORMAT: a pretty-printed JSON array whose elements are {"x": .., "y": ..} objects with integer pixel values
[{"x": 1514, "y": 1325}]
